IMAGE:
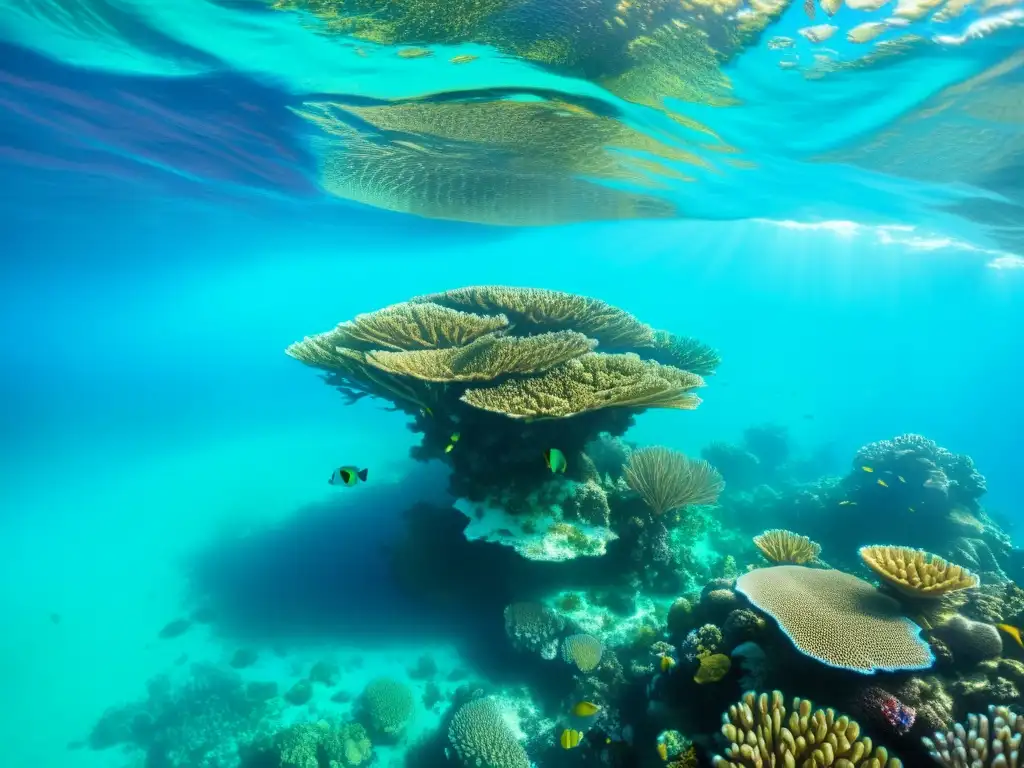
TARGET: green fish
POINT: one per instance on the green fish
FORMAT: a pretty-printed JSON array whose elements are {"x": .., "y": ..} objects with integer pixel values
[
  {"x": 348, "y": 476},
  {"x": 555, "y": 460}
]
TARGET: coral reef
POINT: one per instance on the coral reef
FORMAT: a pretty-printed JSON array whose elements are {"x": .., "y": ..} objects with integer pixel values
[
  {"x": 836, "y": 618},
  {"x": 984, "y": 741},
  {"x": 667, "y": 480},
  {"x": 534, "y": 627},
  {"x": 916, "y": 573},
  {"x": 780, "y": 546},
  {"x": 387, "y": 706},
  {"x": 481, "y": 738},
  {"x": 759, "y": 732}
]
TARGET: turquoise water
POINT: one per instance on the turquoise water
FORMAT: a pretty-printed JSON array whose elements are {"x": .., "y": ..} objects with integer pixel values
[{"x": 847, "y": 236}]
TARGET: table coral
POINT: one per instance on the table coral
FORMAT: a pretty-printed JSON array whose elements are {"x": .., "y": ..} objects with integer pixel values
[
  {"x": 836, "y": 618},
  {"x": 916, "y": 573}
]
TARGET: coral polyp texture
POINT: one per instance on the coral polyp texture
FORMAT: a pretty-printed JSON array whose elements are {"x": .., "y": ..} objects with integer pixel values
[
  {"x": 534, "y": 627},
  {"x": 668, "y": 480},
  {"x": 510, "y": 374},
  {"x": 481, "y": 738},
  {"x": 836, "y": 618},
  {"x": 761, "y": 732},
  {"x": 785, "y": 547},
  {"x": 916, "y": 573},
  {"x": 583, "y": 651},
  {"x": 984, "y": 741}
]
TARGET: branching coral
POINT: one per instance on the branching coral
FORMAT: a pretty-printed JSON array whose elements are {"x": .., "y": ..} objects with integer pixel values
[
  {"x": 533, "y": 310},
  {"x": 668, "y": 480},
  {"x": 685, "y": 352},
  {"x": 415, "y": 326},
  {"x": 534, "y": 627},
  {"x": 781, "y": 546},
  {"x": 387, "y": 706},
  {"x": 760, "y": 733},
  {"x": 481, "y": 738},
  {"x": 916, "y": 573},
  {"x": 992, "y": 741},
  {"x": 590, "y": 383},
  {"x": 486, "y": 358},
  {"x": 836, "y": 618}
]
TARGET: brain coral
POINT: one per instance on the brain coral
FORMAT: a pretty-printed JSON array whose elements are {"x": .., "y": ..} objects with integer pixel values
[
  {"x": 986, "y": 742},
  {"x": 482, "y": 739},
  {"x": 387, "y": 706},
  {"x": 582, "y": 650},
  {"x": 760, "y": 734},
  {"x": 970, "y": 641},
  {"x": 533, "y": 627},
  {"x": 836, "y": 618}
]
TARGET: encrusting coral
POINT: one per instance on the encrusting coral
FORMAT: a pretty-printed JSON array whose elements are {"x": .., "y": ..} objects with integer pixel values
[
  {"x": 760, "y": 732},
  {"x": 481, "y": 738},
  {"x": 782, "y": 546},
  {"x": 916, "y": 573},
  {"x": 992, "y": 741},
  {"x": 836, "y": 618},
  {"x": 668, "y": 480}
]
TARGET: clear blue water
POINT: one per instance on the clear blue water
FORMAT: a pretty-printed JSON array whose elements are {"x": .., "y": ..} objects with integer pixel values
[{"x": 848, "y": 233}]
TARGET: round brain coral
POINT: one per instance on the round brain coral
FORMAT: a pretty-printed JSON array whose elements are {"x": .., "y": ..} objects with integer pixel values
[
  {"x": 916, "y": 573},
  {"x": 481, "y": 738},
  {"x": 836, "y": 618},
  {"x": 760, "y": 734},
  {"x": 583, "y": 650},
  {"x": 388, "y": 706}
]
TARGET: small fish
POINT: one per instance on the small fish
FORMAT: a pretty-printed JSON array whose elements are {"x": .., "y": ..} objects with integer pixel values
[
  {"x": 809, "y": 9},
  {"x": 585, "y": 709},
  {"x": 1012, "y": 632},
  {"x": 868, "y": 469},
  {"x": 882, "y": 483},
  {"x": 348, "y": 476},
  {"x": 901, "y": 478},
  {"x": 555, "y": 460},
  {"x": 448, "y": 448},
  {"x": 414, "y": 53},
  {"x": 845, "y": 503},
  {"x": 666, "y": 663},
  {"x": 570, "y": 738},
  {"x": 465, "y": 58},
  {"x": 663, "y": 751},
  {"x": 912, "y": 509},
  {"x": 454, "y": 439}
]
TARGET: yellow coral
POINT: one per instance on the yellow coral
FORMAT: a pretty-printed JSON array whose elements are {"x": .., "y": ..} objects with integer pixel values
[
  {"x": 668, "y": 480},
  {"x": 713, "y": 667},
  {"x": 533, "y": 309},
  {"x": 582, "y": 650},
  {"x": 917, "y": 573},
  {"x": 759, "y": 734},
  {"x": 781, "y": 546},
  {"x": 836, "y": 618},
  {"x": 589, "y": 383},
  {"x": 415, "y": 326},
  {"x": 487, "y": 358}
]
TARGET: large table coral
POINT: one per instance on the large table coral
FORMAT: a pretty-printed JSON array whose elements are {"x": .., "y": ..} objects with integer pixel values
[
  {"x": 836, "y": 618},
  {"x": 496, "y": 376}
]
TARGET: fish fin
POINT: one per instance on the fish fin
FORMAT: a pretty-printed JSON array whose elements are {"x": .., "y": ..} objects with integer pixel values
[{"x": 362, "y": 474}]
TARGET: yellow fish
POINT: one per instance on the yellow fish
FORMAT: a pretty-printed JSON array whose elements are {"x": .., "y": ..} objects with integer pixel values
[
  {"x": 1012, "y": 632},
  {"x": 570, "y": 738},
  {"x": 448, "y": 448},
  {"x": 662, "y": 751},
  {"x": 454, "y": 439},
  {"x": 585, "y": 709},
  {"x": 868, "y": 469},
  {"x": 667, "y": 662},
  {"x": 882, "y": 483}
]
